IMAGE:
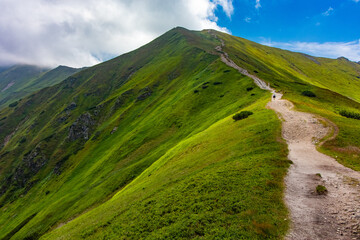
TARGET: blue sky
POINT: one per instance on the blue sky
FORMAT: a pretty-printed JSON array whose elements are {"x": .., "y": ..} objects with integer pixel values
[
  {"x": 313, "y": 26},
  {"x": 80, "y": 33}
]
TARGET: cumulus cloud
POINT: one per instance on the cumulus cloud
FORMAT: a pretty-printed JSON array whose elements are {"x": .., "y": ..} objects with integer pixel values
[
  {"x": 328, "y": 12},
  {"x": 82, "y": 33},
  {"x": 257, "y": 4},
  {"x": 350, "y": 50}
]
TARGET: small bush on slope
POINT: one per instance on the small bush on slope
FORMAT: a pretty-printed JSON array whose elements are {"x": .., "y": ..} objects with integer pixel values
[
  {"x": 349, "y": 114},
  {"x": 242, "y": 115},
  {"x": 308, "y": 94}
]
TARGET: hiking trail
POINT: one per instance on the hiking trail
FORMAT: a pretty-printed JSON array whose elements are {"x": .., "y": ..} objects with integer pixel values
[{"x": 334, "y": 215}]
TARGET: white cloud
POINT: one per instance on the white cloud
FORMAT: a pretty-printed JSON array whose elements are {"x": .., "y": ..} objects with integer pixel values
[
  {"x": 226, "y": 5},
  {"x": 356, "y": 1},
  {"x": 247, "y": 19},
  {"x": 82, "y": 33},
  {"x": 257, "y": 5},
  {"x": 350, "y": 50},
  {"x": 328, "y": 12}
]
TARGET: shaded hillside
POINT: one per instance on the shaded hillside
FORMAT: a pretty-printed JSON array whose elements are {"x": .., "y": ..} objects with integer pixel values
[
  {"x": 144, "y": 145},
  {"x": 21, "y": 80}
]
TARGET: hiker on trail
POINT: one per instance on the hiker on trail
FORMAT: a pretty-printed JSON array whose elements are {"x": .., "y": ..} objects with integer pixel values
[{"x": 274, "y": 96}]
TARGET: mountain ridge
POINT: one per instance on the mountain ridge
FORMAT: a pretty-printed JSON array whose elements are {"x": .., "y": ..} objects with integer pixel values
[
  {"x": 137, "y": 127},
  {"x": 19, "y": 81}
]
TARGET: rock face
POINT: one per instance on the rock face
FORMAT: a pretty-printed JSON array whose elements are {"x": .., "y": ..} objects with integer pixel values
[
  {"x": 114, "y": 130},
  {"x": 72, "y": 106},
  {"x": 312, "y": 59},
  {"x": 31, "y": 164},
  {"x": 144, "y": 94},
  {"x": 122, "y": 98},
  {"x": 81, "y": 128}
]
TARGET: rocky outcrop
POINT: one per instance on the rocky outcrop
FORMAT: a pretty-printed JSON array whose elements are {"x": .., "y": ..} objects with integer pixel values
[
  {"x": 144, "y": 94},
  {"x": 114, "y": 130},
  {"x": 30, "y": 165},
  {"x": 120, "y": 101},
  {"x": 311, "y": 58},
  {"x": 58, "y": 166},
  {"x": 71, "y": 106},
  {"x": 81, "y": 128}
]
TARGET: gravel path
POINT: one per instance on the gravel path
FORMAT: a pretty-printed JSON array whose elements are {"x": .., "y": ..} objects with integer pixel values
[{"x": 333, "y": 215}]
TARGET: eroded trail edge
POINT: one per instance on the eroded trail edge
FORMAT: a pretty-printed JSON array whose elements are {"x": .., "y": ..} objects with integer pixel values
[{"x": 333, "y": 215}]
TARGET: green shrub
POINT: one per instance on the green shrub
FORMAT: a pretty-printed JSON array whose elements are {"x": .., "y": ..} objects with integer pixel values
[
  {"x": 14, "y": 104},
  {"x": 242, "y": 115},
  {"x": 249, "y": 89},
  {"x": 321, "y": 190},
  {"x": 308, "y": 94},
  {"x": 349, "y": 114}
]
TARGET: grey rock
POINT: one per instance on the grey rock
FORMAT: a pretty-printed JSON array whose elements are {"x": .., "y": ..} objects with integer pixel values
[
  {"x": 81, "y": 128},
  {"x": 71, "y": 106},
  {"x": 114, "y": 130},
  {"x": 31, "y": 164},
  {"x": 120, "y": 101},
  {"x": 144, "y": 94}
]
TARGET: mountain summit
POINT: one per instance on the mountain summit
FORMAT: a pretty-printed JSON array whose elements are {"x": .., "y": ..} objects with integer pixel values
[{"x": 145, "y": 145}]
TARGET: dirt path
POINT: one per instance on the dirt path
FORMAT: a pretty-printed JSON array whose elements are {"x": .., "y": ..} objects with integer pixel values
[{"x": 334, "y": 215}]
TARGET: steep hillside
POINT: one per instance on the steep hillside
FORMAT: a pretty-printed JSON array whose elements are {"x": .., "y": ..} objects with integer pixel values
[
  {"x": 21, "y": 80},
  {"x": 144, "y": 145}
]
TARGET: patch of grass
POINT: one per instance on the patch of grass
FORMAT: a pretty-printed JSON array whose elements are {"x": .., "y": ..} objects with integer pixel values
[{"x": 321, "y": 190}]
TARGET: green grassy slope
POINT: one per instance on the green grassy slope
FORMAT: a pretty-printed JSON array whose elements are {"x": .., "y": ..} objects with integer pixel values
[
  {"x": 21, "y": 80},
  {"x": 163, "y": 96},
  {"x": 287, "y": 69},
  {"x": 144, "y": 146},
  {"x": 224, "y": 182},
  {"x": 335, "y": 82}
]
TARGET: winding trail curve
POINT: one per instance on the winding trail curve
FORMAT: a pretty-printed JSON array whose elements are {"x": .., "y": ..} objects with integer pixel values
[{"x": 335, "y": 215}]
